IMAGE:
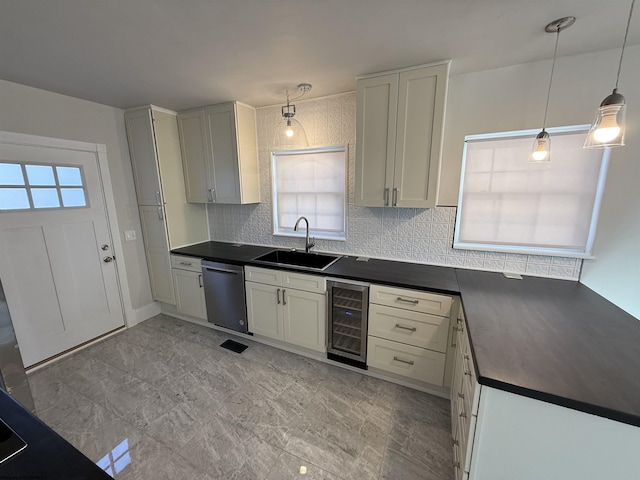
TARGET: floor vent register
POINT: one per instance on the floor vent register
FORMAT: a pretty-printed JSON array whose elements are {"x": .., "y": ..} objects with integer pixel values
[{"x": 234, "y": 346}]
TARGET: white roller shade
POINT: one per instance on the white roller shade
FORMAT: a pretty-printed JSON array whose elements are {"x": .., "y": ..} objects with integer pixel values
[
  {"x": 509, "y": 204},
  {"x": 310, "y": 183}
]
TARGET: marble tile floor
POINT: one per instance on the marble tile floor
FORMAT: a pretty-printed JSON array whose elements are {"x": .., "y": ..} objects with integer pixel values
[{"x": 162, "y": 400}]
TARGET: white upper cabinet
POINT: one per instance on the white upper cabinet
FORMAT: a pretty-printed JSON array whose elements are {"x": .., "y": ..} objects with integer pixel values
[
  {"x": 220, "y": 154},
  {"x": 142, "y": 148},
  {"x": 399, "y": 128}
]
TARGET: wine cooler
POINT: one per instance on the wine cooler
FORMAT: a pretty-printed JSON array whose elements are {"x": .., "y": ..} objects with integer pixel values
[{"x": 348, "y": 313}]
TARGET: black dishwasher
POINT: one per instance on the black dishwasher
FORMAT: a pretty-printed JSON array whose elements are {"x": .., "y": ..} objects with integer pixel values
[{"x": 224, "y": 295}]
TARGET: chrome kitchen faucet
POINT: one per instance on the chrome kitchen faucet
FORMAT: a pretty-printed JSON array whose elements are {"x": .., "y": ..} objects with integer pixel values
[{"x": 309, "y": 244}]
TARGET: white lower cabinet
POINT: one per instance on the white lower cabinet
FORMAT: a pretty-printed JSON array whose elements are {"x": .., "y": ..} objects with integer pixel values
[
  {"x": 188, "y": 286},
  {"x": 408, "y": 333},
  {"x": 264, "y": 310},
  {"x": 498, "y": 435},
  {"x": 406, "y": 360},
  {"x": 288, "y": 307}
]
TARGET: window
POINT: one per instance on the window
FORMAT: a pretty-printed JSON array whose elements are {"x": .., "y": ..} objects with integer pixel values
[
  {"x": 26, "y": 186},
  {"x": 310, "y": 183},
  {"x": 508, "y": 204}
]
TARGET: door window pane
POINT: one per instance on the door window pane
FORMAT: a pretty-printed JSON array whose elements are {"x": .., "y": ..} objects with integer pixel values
[
  {"x": 73, "y": 197},
  {"x": 44, "y": 187},
  {"x": 11, "y": 174},
  {"x": 13, "y": 199},
  {"x": 40, "y": 175},
  {"x": 45, "y": 197},
  {"x": 69, "y": 176}
]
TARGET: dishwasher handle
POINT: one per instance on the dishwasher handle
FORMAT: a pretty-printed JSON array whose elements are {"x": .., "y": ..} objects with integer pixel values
[{"x": 221, "y": 270}]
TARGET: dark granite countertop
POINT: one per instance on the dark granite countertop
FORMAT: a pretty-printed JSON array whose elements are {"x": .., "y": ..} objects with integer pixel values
[
  {"x": 233, "y": 253},
  {"x": 400, "y": 274},
  {"x": 48, "y": 455},
  {"x": 553, "y": 340}
]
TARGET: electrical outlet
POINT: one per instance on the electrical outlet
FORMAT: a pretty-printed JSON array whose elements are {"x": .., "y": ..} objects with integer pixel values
[{"x": 130, "y": 235}]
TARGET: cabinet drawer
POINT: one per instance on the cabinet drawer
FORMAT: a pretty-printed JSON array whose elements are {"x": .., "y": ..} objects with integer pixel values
[
  {"x": 186, "y": 263},
  {"x": 406, "y": 360},
  {"x": 301, "y": 281},
  {"x": 413, "y": 328},
  {"x": 411, "y": 300},
  {"x": 263, "y": 275}
]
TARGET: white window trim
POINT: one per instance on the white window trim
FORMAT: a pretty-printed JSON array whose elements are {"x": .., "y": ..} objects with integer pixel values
[
  {"x": 301, "y": 233},
  {"x": 558, "y": 252}
]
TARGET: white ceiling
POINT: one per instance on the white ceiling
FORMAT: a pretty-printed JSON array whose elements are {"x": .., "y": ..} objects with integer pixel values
[{"x": 185, "y": 53}]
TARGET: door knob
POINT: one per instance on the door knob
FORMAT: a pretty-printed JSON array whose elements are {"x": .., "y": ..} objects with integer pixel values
[
  {"x": 105, "y": 247},
  {"x": 107, "y": 259}
]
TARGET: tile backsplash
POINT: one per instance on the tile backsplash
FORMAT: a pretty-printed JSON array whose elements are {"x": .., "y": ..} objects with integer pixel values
[{"x": 405, "y": 234}]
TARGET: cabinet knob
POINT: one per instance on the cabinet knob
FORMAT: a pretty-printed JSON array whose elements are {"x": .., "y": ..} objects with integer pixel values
[{"x": 107, "y": 259}]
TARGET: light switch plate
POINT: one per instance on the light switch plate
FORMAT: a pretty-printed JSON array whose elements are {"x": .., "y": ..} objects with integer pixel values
[{"x": 130, "y": 235}]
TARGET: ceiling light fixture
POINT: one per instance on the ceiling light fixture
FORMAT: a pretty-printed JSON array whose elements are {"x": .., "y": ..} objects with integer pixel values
[
  {"x": 542, "y": 144},
  {"x": 293, "y": 134},
  {"x": 608, "y": 127}
]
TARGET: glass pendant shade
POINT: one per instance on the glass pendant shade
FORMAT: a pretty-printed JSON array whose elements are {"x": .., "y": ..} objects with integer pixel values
[
  {"x": 290, "y": 135},
  {"x": 541, "y": 148},
  {"x": 608, "y": 127}
]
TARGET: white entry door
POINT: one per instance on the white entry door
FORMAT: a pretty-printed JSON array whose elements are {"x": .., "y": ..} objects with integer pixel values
[{"x": 56, "y": 255}]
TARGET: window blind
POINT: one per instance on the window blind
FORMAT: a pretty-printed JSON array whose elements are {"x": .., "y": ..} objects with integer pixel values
[
  {"x": 512, "y": 205},
  {"x": 310, "y": 183}
]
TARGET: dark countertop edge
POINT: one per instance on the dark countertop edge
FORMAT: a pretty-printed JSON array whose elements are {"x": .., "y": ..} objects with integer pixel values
[
  {"x": 251, "y": 262},
  {"x": 47, "y": 455},
  {"x": 393, "y": 284},
  {"x": 577, "y": 405}
]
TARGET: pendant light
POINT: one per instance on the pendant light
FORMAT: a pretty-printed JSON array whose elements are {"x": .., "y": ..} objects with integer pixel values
[
  {"x": 541, "y": 151},
  {"x": 608, "y": 127},
  {"x": 291, "y": 135}
]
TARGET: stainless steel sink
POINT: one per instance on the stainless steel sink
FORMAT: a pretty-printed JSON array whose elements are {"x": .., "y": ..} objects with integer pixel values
[{"x": 296, "y": 259}]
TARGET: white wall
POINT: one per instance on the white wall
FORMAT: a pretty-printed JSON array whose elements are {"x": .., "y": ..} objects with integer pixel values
[
  {"x": 407, "y": 234},
  {"x": 33, "y": 111},
  {"x": 512, "y": 98}
]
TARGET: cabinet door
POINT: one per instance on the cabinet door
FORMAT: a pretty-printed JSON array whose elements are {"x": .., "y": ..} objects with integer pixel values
[
  {"x": 376, "y": 110},
  {"x": 193, "y": 143},
  {"x": 421, "y": 103},
  {"x": 305, "y": 322},
  {"x": 189, "y": 293},
  {"x": 264, "y": 310},
  {"x": 142, "y": 148},
  {"x": 157, "y": 251},
  {"x": 223, "y": 148}
]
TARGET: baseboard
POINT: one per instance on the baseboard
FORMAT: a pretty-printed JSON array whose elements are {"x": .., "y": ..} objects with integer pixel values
[{"x": 144, "y": 313}]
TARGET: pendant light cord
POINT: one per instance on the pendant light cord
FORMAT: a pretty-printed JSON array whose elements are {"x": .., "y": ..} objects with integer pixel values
[
  {"x": 624, "y": 43},
  {"x": 553, "y": 66}
]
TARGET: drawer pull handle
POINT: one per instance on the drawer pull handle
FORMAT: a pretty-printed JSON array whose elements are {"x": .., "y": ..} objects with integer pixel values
[
  {"x": 186, "y": 263},
  {"x": 411, "y": 329},
  {"x": 200, "y": 280},
  {"x": 284, "y": 300},
  {"x": 408, "y": 362},
  {"x": 400, "y": 299},
  {"x": 455, "y": 442},
  {"x": 278, "y": 296},
  {"x": 456, "y": 465},
  {"x": 463, "y": 415},
  {"x": 467, "y": 372},
  {"x": 461, "y": 395}
]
